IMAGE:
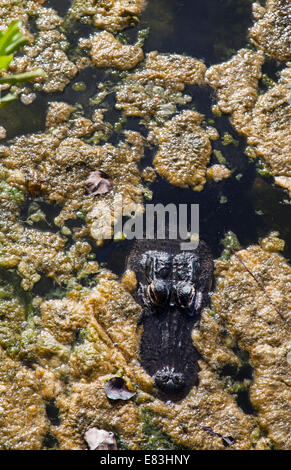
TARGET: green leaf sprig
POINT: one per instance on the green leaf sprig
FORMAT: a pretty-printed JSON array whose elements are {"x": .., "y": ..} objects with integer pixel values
[{"x": 11, "y": 41}]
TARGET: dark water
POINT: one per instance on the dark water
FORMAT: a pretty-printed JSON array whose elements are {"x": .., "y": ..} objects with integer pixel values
[{"x": 211, "y": 30}]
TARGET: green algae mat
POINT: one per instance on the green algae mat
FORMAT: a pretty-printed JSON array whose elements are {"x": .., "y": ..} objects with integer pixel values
[{"x": 143, "y": 102}]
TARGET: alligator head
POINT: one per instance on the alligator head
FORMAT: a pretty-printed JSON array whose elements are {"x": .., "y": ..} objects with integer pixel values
[{"x": 173, "y": 287}]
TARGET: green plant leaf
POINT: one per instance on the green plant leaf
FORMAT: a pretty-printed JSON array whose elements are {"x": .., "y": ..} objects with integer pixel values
[
  {"x": 5, "y": 61},
  {"x": 23, "y": 77},
  {"x": 7, "y": 99},
  {"x": 12, "y": 39}
]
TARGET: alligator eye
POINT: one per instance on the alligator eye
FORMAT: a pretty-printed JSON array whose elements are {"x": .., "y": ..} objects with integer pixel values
[
  {"x": 185, "y": 294},
  {"x": 178, "y": 379},
  {"x": 164, "y": 378},
  {"x": 158, "y": 293},
  {"x": 149, "y": 269},
  {"x": 164, "y": 272}
]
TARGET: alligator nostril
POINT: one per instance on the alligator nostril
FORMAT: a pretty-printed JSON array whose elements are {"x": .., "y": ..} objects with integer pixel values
[{"x": 169, "y": 381}]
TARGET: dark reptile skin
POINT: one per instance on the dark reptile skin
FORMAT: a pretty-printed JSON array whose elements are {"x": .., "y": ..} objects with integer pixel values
[{"x": 166, "y": 339}]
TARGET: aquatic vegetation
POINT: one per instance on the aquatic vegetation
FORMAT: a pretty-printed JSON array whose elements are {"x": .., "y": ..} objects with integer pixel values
[
  {"x": 107, "y": 51},
  {"x": 66, "y": 163},
  {"x": 111, "y": 15},
  {"x": 45, "y": 50},
  {"x": 271, "y": 31},
  {"x": 10, "y": 42},
  {"x": 218, "y": 172},
  {"x": 183, "y": 150},
  {"x": 154, "y": 438},
  {"x": 259, "y": 329},
  {"x": 262, "y": 118},
  {"x": 69, "y": 327}
]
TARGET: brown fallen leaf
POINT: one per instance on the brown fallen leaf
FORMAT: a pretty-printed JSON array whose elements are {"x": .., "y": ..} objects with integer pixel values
[
  {"x": 116, "y": 389},
  {"x": 99, "y": 439},
  {"x": 98, "y": 182}
]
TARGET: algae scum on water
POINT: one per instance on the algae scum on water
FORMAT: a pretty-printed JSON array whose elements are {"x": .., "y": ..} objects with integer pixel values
[{"x": 150, "y": 115}]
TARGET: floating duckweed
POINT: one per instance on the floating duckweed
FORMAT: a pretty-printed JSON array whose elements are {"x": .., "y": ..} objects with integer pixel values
[
  {"x": 119, "y": 125},
  {"x": 223, "y": 200},
  {"x": 267, "y": 81},
  {"x": 97, "y": 137},
  {"x": 233, "y": 386},
  {"x": 263, "y": 169},
  {"x": 219, "y": 156},
  {"x": 66, "y": 231},
  {"x": 129, "y": 281},
  {"x": 122, "y": 38},
  {"x": 13, "y": 192},
  {"x": 154, "y": 438},
  {"x": 148, "y": 194},
  {"x": 81, "y": 214},
  {"x": 35, "y": 217},
  {"x": 218, "y": 172},
  {"x": 250, "y": 152},
  {"x": 231, "y": 241},
  {"x": 210, "y": 312},
  {"x": 142, "y": 35},
  {"x": 272, "y": 243},
  {"x": 266, "y": 172},
  {"x": 263, "y": 119},
  {"x": 212, "y": 132},
  {"x": 256, "y": 434},
  {"x": 228, "y": 139},
  {"x": 216, "y": 110}
]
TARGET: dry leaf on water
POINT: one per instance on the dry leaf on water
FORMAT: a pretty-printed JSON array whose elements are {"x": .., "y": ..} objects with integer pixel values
[
  {"x": 98, "y": 182},
  {"x": 99, "y": 439},
  {"x": 116, "y": 389}
]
